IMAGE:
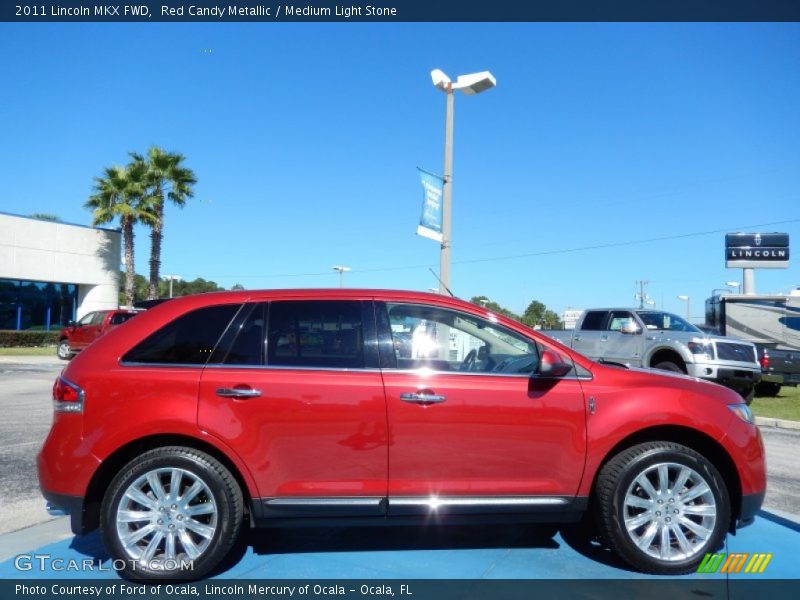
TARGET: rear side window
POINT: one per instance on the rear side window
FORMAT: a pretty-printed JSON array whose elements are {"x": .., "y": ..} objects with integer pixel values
[
  {"x": 120, "y": 318},
  {"x": 593, "y": 321},
  {"x": 316, "y": 334},
  {"x": 188, "y": 340}
]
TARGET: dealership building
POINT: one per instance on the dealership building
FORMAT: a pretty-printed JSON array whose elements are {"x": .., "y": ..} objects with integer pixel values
[{"x": 53, "y": 272}]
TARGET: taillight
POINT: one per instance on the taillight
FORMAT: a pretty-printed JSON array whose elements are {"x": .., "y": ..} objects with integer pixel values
[
  {"x": 67, "y": 397},
  {"x": 764, "y": 360}
]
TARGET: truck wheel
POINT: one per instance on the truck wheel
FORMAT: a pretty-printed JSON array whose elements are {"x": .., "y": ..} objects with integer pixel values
[
  {"x": 63, "y": 350},
  {"x": 768, "y": 389},
  {"x": 171, "y": 513},
  {"x": 669, "y": 366},
  {"x": 661, "y": 507}
]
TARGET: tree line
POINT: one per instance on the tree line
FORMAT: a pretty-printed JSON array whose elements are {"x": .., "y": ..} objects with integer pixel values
[{"x": 536, "y": 314}]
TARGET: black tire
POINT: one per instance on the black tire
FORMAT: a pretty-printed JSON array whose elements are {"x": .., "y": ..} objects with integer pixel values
[
  {"x": 221, "y": 492},
  {"x": 768, "y": 389},
  {"x": 669, "y": 366},
  {"x": 619, "y": 476},
  {"x": 63, "y": 350},
  {"x": 748, "y": 394}
]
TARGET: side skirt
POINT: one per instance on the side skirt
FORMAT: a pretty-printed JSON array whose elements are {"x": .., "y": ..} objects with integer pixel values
[{"x": 408, "y": 510}]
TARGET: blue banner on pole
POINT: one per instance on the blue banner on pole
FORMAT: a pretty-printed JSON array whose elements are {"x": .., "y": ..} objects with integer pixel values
[{"x": 430, "y": 223}]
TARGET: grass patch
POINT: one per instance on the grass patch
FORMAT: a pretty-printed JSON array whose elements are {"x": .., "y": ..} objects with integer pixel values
[
  {"x": 785, "y": 406},
  {"x": 25, "y": 351}
]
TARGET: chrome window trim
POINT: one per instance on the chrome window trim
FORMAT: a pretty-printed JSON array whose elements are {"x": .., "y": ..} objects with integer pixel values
[
  {"x": 287, "y": 368},
  {"x": 422, "y": 372},
  {"x": 124, "y": 363}
]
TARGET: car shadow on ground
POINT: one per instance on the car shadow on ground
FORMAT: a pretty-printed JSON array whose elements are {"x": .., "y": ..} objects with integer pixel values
[{"x": 276, "y": 541}]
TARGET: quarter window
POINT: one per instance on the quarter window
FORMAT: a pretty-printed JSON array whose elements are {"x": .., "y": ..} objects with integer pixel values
[
  {"x": 446, "y": 340},
  {"x": 188, "y": 340},
  {"x": 325, "y": 334}
]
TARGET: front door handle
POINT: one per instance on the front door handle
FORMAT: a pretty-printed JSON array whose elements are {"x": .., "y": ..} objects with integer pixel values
[
  {"x": 416, "y": 398},
  {"x": 603, "y": 338},
  {"x": 238, "y": 393}
]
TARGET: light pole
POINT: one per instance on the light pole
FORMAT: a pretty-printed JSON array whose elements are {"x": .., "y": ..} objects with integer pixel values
[
  {"x": 471, "y": 84},
  {"x": 171, "y": 279},
  {"x": 688, "y": 301},
  {"x": 342, "y": 270}
]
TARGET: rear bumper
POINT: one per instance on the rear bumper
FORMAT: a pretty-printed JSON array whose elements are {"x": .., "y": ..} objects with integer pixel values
[{"x": 60, "y": 504}]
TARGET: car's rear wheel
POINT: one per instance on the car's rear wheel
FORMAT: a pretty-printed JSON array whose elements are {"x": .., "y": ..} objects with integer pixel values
[
  {"x": 63, "y": 350},
  {"x": 662, "y": 506},
  {"x": 172, "y": 513}
]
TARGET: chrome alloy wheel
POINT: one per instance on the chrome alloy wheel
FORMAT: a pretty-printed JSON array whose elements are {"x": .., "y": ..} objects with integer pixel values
[
  {"x": 166, "y": 514},
  {"x": 670, "y": 511}
]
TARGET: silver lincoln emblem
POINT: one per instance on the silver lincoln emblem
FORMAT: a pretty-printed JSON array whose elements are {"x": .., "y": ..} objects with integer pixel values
[{"x": 757, "y": 239}]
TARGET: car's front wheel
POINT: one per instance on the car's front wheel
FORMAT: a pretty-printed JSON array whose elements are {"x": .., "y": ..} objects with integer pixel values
[
  {"x": 63, "y": 350},
  {"x": 662, "y": 506},
  {"x": 172, "y": 513}
]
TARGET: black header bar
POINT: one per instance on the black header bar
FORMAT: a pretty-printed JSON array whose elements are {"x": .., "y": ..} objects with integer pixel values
[{"x": 401, "y": 10}]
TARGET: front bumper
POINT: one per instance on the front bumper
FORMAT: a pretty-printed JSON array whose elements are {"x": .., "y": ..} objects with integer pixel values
[{"x": 738, "y": 379}]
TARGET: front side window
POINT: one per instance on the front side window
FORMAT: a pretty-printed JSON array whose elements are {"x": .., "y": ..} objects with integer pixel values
[
  {"x": 87, "y": 319},
  {"x": 663, "y": 321},
  {"x": 448, "y": 340},
  {"x": 621, "y": 320},
  {"x": 188, "y": 340},
  {"x": 316, "y": 333}
]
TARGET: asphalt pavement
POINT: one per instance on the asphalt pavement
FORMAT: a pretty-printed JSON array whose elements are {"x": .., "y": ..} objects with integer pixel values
[{"x": 26, "y": 413}]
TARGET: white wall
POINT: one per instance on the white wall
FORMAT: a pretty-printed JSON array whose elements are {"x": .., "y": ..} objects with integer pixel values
[{"x": 34, "y": 250}]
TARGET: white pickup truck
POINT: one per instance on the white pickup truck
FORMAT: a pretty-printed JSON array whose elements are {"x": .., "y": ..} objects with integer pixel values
[{"x": 660, "y": 340}]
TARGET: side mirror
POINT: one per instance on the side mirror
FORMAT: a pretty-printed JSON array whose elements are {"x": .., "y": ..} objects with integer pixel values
[
  {"x": 552, "y": 365},
  {"x": 630, "y": 328},
  {"x": 71, "y": 323}
]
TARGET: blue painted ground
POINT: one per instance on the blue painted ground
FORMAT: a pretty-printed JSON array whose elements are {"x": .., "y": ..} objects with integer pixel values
[{"x": 476, "y": 552}]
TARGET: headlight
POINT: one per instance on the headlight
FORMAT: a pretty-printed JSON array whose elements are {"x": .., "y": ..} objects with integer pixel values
[
  {"x": 743, "y": 412},
  {"x": 701, "y": 348}
]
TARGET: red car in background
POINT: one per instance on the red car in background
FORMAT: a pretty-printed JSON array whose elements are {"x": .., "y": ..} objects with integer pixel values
[
  {"x": 76, "y": 336},
  {"x": 214, "y": 412}
]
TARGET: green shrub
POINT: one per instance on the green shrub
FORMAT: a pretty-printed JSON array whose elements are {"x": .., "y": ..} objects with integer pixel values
[{"x": 27, "y": 338}]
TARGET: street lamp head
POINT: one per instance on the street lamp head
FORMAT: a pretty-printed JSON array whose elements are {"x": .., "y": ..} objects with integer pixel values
[
  {"x": 735, "y": 284},
  {"x": 683, "y": 297},
  {"x": 440, "y": 80},
  {"x": 471, "y": 84},
  {"x": 341, "y": 269},
  {"x": 475, "y": 83}
]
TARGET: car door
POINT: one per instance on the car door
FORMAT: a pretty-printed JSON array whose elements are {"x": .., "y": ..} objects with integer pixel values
[
  {"x": 622, "y": 342},
  {"x": 294, "y": 389},
  {"x": 588, "y": 339},
  {"x": 470, "y": 430},
  {"x": 87, "y": 329}
]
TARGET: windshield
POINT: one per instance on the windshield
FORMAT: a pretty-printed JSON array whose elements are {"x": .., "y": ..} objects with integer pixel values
[{"x": 654, "y": 319}]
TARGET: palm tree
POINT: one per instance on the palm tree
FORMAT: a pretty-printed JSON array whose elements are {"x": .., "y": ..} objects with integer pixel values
[
  {"x": 120, "y": 194},
  {"x": 166, "y": 179}
]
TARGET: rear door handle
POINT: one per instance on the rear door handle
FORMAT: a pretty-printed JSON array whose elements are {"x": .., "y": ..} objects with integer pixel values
[
  {"x": 577, "y": 338},
  {"x": 238, "y": 393},
  {"x": 415, "y": 398},
  {"x": 603, "y": 338}
]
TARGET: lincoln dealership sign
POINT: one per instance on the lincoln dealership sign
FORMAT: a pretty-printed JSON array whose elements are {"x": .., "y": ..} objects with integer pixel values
[{"x": 757, "y": 250}]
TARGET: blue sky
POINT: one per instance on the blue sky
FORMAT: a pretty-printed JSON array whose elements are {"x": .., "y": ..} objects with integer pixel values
[{"x": 305, "y": 140}]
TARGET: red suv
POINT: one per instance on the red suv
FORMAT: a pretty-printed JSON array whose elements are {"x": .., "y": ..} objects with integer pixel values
[
  {"x": 76, "y": 336},
  {"x": 345, "y": 406}
]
